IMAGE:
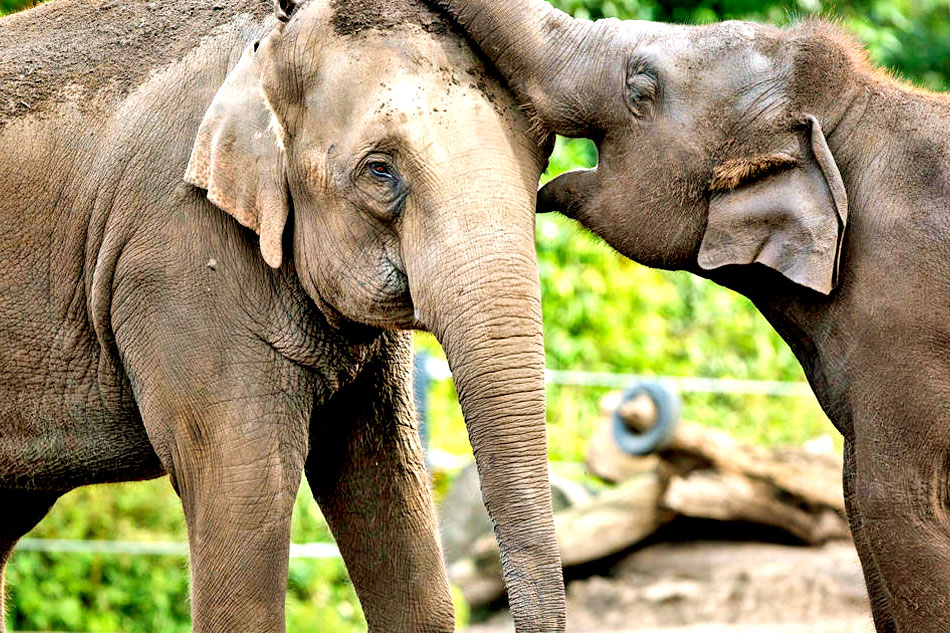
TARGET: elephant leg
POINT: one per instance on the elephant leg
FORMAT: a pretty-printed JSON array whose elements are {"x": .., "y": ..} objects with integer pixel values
[
  {"x": 22, "y": 511},
  {"x": 238, "y": 512},
  {"x": 232, "y": 434},
  {"x": 883, "y": 618},
  {"x": 367, "y": 472},
  {"x": 903, "y": 508},
  {"x": 237, "y": 482}
]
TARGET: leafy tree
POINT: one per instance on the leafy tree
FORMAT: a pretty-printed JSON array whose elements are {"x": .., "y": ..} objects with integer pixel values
[{"x": 910, "y": 36}]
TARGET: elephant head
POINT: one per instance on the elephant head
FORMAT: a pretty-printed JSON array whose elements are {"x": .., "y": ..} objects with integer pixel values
[
  {"x": 712, "y": 139},
  {"x": 365, "y": 145}
]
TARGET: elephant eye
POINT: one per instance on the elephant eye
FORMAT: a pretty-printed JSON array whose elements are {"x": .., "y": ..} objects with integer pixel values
[
  {"x": 381, "y": 170},
  {"x": 641, "y": 87},
  {"x": 378, "y": 178}
]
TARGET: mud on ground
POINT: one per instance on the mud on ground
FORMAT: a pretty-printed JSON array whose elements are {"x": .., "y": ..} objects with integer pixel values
[{"x": 721, "y": 587}]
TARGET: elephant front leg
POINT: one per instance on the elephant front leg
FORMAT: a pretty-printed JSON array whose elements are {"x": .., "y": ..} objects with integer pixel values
[
  {"x": 877, "y": 592},
  {"x": 238, "y": 503},
  {"x": 367, "y": 472},
  {"x": 235, "y": 454},
  {"x": 902, "y": 508}
]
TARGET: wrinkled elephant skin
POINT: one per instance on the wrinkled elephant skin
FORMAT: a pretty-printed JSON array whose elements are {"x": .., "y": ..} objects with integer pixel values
[{"x": 218, "y": 227}]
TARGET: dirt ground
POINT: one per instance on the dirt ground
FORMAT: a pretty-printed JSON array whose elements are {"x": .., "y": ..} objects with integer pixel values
[
  {"x": 720, "y": 587},
  {"x": 827, "y": 626}
]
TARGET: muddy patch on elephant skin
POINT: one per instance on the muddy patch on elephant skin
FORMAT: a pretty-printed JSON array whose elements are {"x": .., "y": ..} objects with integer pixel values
[
  {"x": 90, "y": 47},
  {"x": 355, "y": 16}
]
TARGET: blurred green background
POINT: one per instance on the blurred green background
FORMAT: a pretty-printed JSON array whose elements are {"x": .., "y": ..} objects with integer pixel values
[{"x": 602, "y": 313}]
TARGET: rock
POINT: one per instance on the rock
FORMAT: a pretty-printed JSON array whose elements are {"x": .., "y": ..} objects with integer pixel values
[
  {"x": 727, "y": 496},
  {"x": 601, "y": 526},
  {"x": 715, "y": 587},
  {"x": 697, "y": 583},
  {"x": 464, "y": 520},
  {"x": 669, "y": 591}
]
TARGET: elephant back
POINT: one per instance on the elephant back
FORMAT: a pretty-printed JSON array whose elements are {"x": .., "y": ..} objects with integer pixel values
[{"x": 90, "y": 50}]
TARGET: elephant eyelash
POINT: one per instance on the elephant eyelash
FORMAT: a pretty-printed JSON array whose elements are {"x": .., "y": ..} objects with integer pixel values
[
  {"x": 379, "y": 179},
  {"x": 379, "y": 166},
  {"x": 734, "y": 173}
]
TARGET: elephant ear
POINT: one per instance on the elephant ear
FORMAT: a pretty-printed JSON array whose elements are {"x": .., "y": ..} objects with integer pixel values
[
  {"x": 238, "y": 157},
  {"x": 788, "y": 211},
  {"x": 284, "y": 9}
]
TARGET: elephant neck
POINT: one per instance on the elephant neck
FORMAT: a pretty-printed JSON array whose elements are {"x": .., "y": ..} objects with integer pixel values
[{"x": 815, "y": 328}]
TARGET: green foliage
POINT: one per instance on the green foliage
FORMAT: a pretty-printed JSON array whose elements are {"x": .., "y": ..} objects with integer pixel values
[
  {"x": 9, "y": 6},
  {"x": 602, "y": 313},
  {"x": 909, "y": 36},
  {"x": 86, "y": 592}
]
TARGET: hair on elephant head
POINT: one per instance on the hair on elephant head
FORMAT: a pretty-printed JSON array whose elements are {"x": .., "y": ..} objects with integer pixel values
[{"x": 366, "y": 138}]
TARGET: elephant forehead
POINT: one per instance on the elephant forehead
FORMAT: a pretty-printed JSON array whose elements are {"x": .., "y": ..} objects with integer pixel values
[
  {"x": 403, "y": 75},
  {"x": 726, "y": 39},
  {"x": 396, "y": 82},
  {"x": 393, "y": 67},
  {"x": 734, "y": 59},
  {"x": 436, "y": 120}
]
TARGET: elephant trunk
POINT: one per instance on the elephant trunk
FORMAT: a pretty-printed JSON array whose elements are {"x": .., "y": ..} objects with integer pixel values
[
  {"x": 486, "y": 313},
  {"x": 541, "y": 52}
]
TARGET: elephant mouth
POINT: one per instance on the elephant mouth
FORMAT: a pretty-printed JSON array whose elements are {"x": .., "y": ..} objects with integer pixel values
[
  {"x": 387, "y": 306},
  {"x": 396, "y": 294},
  {"x": 334, "y": 317}
]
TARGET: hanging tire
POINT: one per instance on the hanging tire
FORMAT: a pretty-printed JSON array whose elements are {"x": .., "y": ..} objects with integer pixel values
[{"x": 667, "y": 405}]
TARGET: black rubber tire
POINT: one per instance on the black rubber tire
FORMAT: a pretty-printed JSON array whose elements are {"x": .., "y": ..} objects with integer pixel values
[{"x": 667, "y": 404}]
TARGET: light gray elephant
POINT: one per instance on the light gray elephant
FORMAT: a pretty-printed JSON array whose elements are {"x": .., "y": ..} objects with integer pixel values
[{"x": 384, "y": 184}]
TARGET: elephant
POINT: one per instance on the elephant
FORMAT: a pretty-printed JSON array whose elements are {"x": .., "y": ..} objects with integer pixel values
[
  {"x": 782, "y": 164},
  {"x": 220, "y": 225}
]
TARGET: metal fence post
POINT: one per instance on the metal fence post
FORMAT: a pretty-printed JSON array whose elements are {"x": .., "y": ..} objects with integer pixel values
[{"x": 421, "y": 383}]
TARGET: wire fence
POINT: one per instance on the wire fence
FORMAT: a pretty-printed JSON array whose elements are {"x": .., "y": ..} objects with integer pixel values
[
  {"x": 428, "y": 370},
  {"x": 317, "y": 551},
  {"x": 437, "y": 369}
]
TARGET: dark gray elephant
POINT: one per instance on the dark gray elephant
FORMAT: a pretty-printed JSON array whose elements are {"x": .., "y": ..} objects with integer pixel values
[
  {"x": 389, "y": 185},
  {"x": 779, "y": 163}
]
